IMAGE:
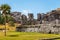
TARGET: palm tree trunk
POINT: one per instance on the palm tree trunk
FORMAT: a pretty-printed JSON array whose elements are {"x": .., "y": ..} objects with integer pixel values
[{"x": 5, "y": 25}]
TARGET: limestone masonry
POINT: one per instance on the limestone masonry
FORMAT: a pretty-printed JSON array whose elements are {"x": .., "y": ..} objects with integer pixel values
[{"x": 45, "y": 23}]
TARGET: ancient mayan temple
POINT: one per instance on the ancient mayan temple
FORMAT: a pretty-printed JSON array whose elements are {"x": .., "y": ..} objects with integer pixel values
[
  {"x": 45, "y": 23},
  {"x": 51, "y": 22}
]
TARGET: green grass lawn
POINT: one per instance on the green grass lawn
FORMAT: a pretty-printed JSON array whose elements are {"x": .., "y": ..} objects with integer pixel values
[{"x": 25, "y": 36}]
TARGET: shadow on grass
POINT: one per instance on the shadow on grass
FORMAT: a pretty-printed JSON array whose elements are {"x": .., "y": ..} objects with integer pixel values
[
  {"x": 51, "y": 38},
  {"x": 13, "y": 35}
]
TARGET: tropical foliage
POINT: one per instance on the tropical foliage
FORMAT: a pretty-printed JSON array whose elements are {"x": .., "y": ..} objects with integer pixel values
[{"x": 5, "y": 14}]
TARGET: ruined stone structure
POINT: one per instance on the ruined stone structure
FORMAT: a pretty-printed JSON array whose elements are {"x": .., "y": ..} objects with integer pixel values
[
  {"x": 30, "y": 16},
  {"x": 45, "y": 23},
  {"x": 39, "y": 18},
  {"x": 16, "y": 16},
  {"x": 23, "y": 20},
  {"x": 30, "y": 19}
]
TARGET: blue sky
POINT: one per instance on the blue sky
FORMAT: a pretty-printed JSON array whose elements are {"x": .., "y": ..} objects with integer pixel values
[{"x": 33, "y": 6}]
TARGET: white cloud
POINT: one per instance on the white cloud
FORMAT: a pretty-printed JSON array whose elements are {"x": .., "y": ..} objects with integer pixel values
[{"x": 26, "y": 12}]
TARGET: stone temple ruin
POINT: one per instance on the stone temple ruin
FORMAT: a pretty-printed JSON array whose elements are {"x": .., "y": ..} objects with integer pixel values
[{"x": 45, "y": 23}]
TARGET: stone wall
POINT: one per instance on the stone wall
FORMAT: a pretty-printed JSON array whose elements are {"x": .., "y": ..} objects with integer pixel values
[
  {"x": 43, "y": 28},
  {"x": 28, "y": 29},
  {"x": 45, "y": 23},
  {"x": 50, "y": 28}
]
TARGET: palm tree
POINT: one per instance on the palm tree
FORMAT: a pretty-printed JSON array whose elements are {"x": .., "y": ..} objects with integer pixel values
[{"x": 5, "y": 8}]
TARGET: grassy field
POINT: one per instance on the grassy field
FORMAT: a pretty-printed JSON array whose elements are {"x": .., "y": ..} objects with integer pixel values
[
  {"x": 11, "y": 35},
  {"x": 11, "y": 28},
  {"x": 25, "y": 36}
]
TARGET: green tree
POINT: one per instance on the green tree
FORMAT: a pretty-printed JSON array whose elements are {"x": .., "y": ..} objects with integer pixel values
[
  {"x": 11, "y": 21},
  {"x": 2, "y": 19},
  {"x": 5, "y": 8}
]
